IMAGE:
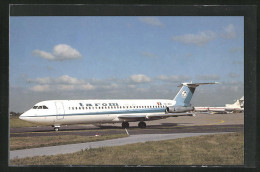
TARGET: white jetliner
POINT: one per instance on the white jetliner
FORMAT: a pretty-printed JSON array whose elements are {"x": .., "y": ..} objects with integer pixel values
[
  {"x": 61, "y": 112},
  {"x": 238, "y": 106}
]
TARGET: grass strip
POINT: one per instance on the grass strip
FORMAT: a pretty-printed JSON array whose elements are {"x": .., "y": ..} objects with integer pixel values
[
  {"x": 218, "y": 149},
  {"x": 40, "y": 141}
]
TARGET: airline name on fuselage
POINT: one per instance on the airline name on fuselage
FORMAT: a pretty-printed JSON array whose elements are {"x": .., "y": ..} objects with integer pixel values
[
  {"x": 99, "y": 104},
  {"x": 104, "y": 104}
]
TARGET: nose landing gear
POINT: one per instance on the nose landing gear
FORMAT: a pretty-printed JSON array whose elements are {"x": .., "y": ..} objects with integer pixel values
[{"x": 56, "y": 127}]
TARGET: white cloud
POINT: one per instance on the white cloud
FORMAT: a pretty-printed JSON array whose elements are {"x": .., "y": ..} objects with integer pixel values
[
  {"x": 60, "y": 52},
  {"x": 62, "y": 83},
  {"x": 65, "y": 79},
  {"x": 229, "y": 32},
  {"x": 45, "y": 80},
  {"x": 140, "y": 78},
  {"x": 43, "y": 54},
  {"x": 203, "y": 38},
  {"x": 151, "y": 21},
  {"x": 208, "y": 77},
  {"x": 174, "y": 78},
  {"x": 64, "y": 52},
  {"x": 197, "y": 39},
  {"x": 40, "y": 88}
]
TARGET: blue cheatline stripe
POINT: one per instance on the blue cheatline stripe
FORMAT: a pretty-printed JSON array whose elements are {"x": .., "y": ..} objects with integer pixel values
[{"x": 109, "y": 112}]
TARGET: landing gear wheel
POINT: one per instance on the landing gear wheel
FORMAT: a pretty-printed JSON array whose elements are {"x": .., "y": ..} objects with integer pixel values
[
  {"x": 125, "y": 125},
  {"x": 141, "y": 124},
  {"x": 56, "y": 128}
]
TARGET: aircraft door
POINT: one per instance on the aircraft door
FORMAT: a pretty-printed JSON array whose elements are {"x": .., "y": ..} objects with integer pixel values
[{"x": 60, "y": 110}]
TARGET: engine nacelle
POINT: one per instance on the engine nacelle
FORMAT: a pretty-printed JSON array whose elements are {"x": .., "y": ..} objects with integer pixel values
[{"x": 178, "y": 109}]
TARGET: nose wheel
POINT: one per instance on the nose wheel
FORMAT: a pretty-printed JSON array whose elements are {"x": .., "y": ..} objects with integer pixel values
[
  {"x": 142, "y": 124},
  {"x": 125, "y": 125},
  {"x": 56, "y": 128}
]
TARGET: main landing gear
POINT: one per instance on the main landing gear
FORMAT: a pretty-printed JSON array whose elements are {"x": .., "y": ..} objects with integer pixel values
[
  {"x": 141, "y": 124},
  {"x": 125, "y": 125}
]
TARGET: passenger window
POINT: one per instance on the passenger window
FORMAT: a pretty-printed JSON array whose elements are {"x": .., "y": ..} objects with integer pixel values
[
  {"x": 35, "y": 107},
  {"x": 39, "y": 107},
  {"x": 44, "y": 107}
]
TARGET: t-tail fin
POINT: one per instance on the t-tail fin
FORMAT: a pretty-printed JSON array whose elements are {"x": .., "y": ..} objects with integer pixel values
[{"x": 186, "y": 92}]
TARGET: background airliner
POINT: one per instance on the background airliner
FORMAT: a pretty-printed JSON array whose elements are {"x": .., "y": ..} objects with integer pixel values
[
  {"x": 238, "y": 106},
  {"x": 60, "y": 112}
]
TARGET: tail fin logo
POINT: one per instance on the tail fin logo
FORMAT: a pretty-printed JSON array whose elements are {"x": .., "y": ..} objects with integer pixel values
[{"x": 184, "y": 94}]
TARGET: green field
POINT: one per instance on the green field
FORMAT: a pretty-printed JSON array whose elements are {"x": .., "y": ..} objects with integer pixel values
[
  {"x": 219, "y": 149},
  {"x": 40, "y": 141}
]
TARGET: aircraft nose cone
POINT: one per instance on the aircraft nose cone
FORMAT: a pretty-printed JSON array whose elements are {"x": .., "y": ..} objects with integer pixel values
[
  {"x": 21, "y": 116},
  {"x": 24, "y": 115}
]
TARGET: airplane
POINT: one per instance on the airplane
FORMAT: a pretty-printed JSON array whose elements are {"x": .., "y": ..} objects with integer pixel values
[
  {"x": 238, "y": 106},
  {"x": 65, "y": 112}
]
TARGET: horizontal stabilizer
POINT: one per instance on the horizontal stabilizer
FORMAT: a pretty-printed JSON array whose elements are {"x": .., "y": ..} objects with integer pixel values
[{"x": 196, "y": 84}]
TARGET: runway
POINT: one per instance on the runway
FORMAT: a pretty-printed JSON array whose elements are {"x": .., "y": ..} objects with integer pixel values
[
  {"x": 201, "y": 123},
  {"x": 170, "y": 128},
  {"x": 108, "y": 130}
]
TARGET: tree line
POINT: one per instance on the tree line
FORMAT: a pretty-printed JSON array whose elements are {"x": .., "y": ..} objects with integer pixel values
[{"x": 15, "y": 113}]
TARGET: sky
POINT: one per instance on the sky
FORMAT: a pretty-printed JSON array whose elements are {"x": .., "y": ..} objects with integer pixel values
[{"x": 125, "y": 57}]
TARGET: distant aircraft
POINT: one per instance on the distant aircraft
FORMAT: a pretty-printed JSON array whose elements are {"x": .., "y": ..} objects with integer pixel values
[
  {"x": 61, "y": 112},
  {"x": 238, "y": 106}
]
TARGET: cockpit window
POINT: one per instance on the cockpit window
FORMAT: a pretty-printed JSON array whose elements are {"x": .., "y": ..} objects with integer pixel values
[{"x": 40, "y": 107}]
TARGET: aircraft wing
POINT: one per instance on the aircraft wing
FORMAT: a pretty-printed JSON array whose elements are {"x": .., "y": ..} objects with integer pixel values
[
  {"x": 169, "y": 115},
  {"x": 152, "y": 116},
  {"x": 132, "y": 117}
]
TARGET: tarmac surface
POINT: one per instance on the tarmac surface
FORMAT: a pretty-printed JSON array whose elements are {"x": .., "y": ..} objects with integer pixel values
[
  {"x": 169, "y": 128},
  {"x": 201, "y": 123}
]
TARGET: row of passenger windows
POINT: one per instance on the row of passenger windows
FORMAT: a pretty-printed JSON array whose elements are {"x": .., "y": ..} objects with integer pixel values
[
  {"x": 113, "y": 107},
  {"x": 40, "y": 107}
]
